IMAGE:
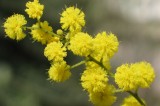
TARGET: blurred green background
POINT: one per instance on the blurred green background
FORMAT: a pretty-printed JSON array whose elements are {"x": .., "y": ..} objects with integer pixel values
[{"x": 23, "y": 67}]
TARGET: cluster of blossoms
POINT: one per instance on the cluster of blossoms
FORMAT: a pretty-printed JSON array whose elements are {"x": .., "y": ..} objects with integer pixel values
[{"x": 96, "y": 51}]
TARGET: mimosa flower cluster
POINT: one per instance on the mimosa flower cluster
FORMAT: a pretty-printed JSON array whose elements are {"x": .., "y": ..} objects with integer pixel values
[{"x": 96, "y": 52}]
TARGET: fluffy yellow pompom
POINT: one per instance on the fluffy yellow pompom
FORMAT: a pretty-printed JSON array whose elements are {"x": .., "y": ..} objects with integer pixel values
[
  {"x": 59, "y": 71},
  {"x": 131, "y": 77},
  {"x": 81, "y": 44},
  {"x": 105, "y": 98},
  {"x": 13, "y": 26},
  {"x": 131, "y": 101},
  {"x": 147, "y": 74},
  {"x": 73, "y": 19},
  {"x": 105, "y": 45},
  {"x": 34, "y": 9},
  {"x": 55, "y": 52},
  {"x": 94, "y": 80}
]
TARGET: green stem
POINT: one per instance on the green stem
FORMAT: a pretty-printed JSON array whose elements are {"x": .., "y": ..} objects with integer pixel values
[
  {"x": 39, "y": 22},
  {"x": 100, "y": 64},
  {"x": 78, "y": 64},
  {"x": 118, "y": 90},
  {"x": 135, "y": 95},
  {"x": 30, "y": 28}
]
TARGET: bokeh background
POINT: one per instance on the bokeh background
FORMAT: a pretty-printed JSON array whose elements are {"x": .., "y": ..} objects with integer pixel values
[{"x": 23, "y": 67}]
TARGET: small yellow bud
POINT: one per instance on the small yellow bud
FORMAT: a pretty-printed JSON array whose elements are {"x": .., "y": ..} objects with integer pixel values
[{"x": 59, "y": 32}]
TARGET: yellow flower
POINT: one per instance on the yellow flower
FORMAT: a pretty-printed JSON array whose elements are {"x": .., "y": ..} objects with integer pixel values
[
  {"x": 81, "y": 44},
  {"x": 59, "y": 71},
  {"x": 146, "y": 72},
  {"x": 13, "y": 26},
  {"x": 94, "y": 80},
  {"x": 105, "y": 98},
  {"x": 34, "y": 9},
  {"x": 42, "y": 33},
  {"x": 131, "y": 77},
  {"x": 131, "y": 101},
  {"x": 73, "y": 19},
  {"x": 105, "y": 45},
  {"x": 55, "y": 52}
]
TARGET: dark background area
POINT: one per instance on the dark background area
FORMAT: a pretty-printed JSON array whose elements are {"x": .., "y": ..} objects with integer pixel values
[{"x": 23, "y": 67}]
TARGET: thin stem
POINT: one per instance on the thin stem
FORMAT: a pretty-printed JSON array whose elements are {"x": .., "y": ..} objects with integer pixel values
[
  {"x": 100, "y": 64},
  {"x": 39, "y": 22},
  {"x": 118, "y": 90},
  {"x": 29, "y": 28},
  {"x": 78, "y": 64},
  {"x": 135, "y": 95}
]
